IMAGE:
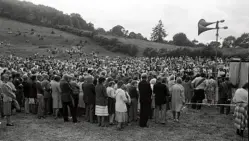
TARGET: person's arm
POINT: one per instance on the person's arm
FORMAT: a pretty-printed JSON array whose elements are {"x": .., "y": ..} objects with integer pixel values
[
  {"x": 104, "y": 92},
  {"x": 113, "y": 94},
  {"x": 123, "y": 96},
  {"x": 7, "y": 90},
  {"x": 182, "y": 95}
]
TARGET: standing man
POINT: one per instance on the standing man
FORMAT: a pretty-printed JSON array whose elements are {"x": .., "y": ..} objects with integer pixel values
[
  {"x": 145, "y": 100},
  {"x": 199, "y": 84},
  {"x": 67, "y": 98},
  {"x": 225, "y": 95},
  {"x": 47, "y": 94}
]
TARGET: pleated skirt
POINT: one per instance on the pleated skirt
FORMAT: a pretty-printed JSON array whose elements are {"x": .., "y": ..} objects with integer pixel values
[
  {"x": 101, "y": 110},
  {"x": 121, "y": 116}
]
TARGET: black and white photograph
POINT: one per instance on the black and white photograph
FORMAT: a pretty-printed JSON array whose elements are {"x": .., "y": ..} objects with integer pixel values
[{"x": 124, "y": 70}]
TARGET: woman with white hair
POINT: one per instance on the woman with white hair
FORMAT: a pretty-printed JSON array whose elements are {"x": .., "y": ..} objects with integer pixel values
[
  {"x": 8, "y": 97},
  {"x": 177, "y": 99}
]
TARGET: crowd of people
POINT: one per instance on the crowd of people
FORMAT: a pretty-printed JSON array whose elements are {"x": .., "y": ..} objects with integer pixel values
[{"x": 115, "y": 90}]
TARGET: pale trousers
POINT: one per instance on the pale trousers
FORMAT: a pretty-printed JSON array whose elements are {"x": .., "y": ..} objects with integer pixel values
[{"x": 160, "y": 113}]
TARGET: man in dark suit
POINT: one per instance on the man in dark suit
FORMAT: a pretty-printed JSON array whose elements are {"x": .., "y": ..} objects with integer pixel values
[
  {"x": 89, "y": 98},
  {"x": 161, "y": 92},
  {"x": 67, "y": 98},
  {"x": 145, "y": 100}
]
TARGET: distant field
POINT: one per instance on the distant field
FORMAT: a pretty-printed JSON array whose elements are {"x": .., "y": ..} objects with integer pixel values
[{"x": 18, "y": 45}]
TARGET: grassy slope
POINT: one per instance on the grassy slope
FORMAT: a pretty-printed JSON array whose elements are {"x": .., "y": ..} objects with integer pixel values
[
  {"x": 145, "y": 44},
  {"x": 207, "y": 125},
  {"x": 21, "y": 48}
]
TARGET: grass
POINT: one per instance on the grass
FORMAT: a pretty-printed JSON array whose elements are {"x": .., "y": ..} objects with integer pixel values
[
  {"x": 207, "y": 125},
  {"x": 60, "y": 39}
]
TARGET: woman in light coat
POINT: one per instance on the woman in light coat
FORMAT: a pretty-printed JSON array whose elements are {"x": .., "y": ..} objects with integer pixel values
[
  {"x": 56, "y": 95},
  {"x": 8, "y": 97},
  {"x": 177, "y": 99}
]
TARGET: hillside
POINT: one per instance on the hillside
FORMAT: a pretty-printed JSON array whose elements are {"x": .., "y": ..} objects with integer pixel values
[{"x": 24, "y": 40}]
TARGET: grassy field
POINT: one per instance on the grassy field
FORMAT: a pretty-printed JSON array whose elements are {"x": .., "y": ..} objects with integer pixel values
[
  {"x": 206, "y": 125},
  {"x": 18, "y": 45}
]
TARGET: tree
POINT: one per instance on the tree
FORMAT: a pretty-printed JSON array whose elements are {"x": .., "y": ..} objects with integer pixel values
[
  {"x": 228, "y": 42},
  {"x": 242, "y": 41},
  {"x": 158, "y": 32},
  {"x": 194, "y": 42},
  {"x": 118, "y": 30},
  {"x": 180, "y": 39},
  {"x": 214, "y": 44},
  {"x": 101, "y": 30},
  {"x": 132, "y": 35}
]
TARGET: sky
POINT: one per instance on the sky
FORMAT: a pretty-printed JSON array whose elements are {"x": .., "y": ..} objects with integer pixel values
[{"x": 140, "y": 16}]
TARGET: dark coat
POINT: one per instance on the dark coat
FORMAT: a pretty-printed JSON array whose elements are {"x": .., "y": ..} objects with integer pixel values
[
  {"x": 26, "y": 88},
  {"x": 225, "y": 90},
  {"x": 133, "y": 92},
  {"x": 89, "y": 93},
  {"x": 145, "y": 92},
  {"x": 39, "y": 88},
  {"x": 161, "y": 92},
  {"x": 33, "y": 90},
  {"x": 47, "y": 88},
  {"x": 66, "y": 91},
  {"x": 101, "y": 95}
]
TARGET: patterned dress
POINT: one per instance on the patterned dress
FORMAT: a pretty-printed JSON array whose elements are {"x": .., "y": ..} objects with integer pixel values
[{"x": 210, "y": 90}]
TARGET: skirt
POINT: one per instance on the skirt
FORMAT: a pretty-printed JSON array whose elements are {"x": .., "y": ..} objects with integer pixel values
[
  {"x": 101, "y": 110},
  {"x": 121, "y": 116},
  {"x": 111, "y": 105},
  {"x": 7, "y": 108}
]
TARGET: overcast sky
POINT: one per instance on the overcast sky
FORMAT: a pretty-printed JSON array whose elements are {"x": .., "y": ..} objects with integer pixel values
[{"x": 141, "y": 16}]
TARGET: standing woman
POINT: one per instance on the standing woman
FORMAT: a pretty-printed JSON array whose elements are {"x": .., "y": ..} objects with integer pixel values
[
  {"x": 240, "y": 113},
  {"x": 120, "y": 105},
  {"x": 211, "y": 90},
  {"x": 8, "y": 96},
  {"x": 188, "y": 89},
  {"x": 56, "y": 95},
  {"x": 152, "y": 83},
  {"x": 178, "y": 99},
  {"x": 101, "y": 108},
  {"x": 111, "y": 101}
]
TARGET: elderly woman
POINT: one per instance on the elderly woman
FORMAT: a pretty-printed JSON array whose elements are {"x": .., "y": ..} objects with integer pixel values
[
  {"x": 177, "y": 99},
  {"x": 101, "y": 108},
  {"x": 56, "y": 95},
  {"x": 8, "y": 96},
  {"x": 240, "y": 113}
]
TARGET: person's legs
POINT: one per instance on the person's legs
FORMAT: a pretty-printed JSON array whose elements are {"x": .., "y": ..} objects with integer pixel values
[
  {"x": 228, "y": 107},
  {"x": 194, "y": 99},
  {"x": 102, "y": 121},
  {"x": 163, "y": 114},
  {"x": 26, "y": 105},
  {"x": 222, "y": 101},
  {"x": 73, "y": 112},
  {"x": 91, "y": 113},
  {"x": 131, "y": 111},
  {"x": 65, "y": 111},
  {"x": 99, "y": 120},
  {"x": 156, "y": 114},
  {"x": 174, "y": 115},
  {"x": 87, "y": 112},
  {"x": 142, "y": 115}
]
